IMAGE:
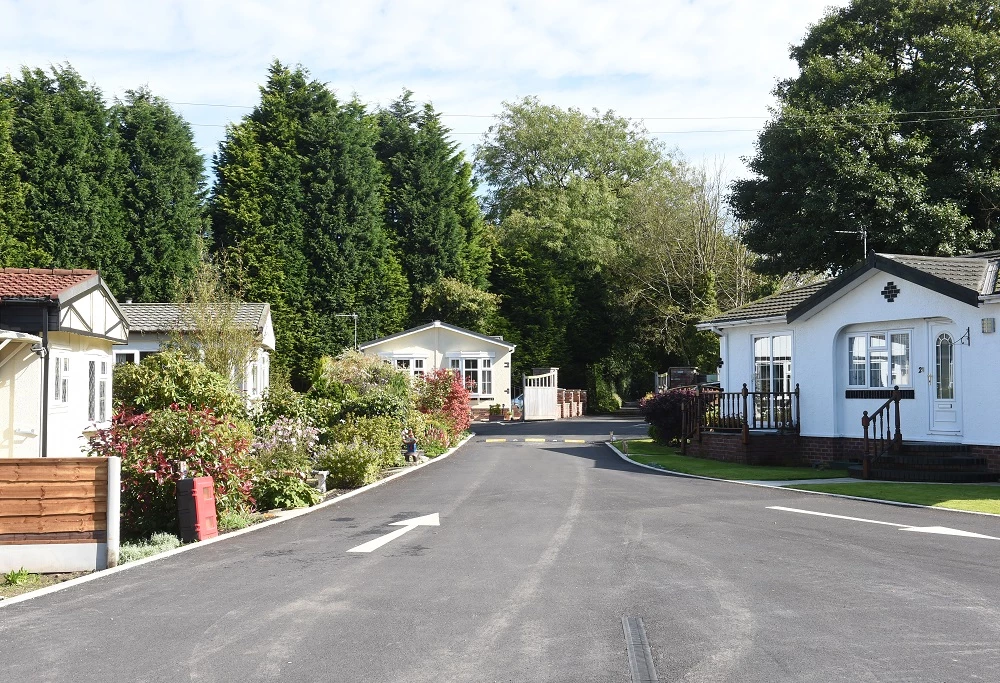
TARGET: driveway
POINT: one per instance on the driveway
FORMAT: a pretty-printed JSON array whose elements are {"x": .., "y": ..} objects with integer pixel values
[{"x": 542, "y": 548}]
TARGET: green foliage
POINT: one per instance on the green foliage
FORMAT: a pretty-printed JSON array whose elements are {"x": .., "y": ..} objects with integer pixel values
[
  {"x": 461, "y": 304},
  {"x": 381, "y": 434},
  {"x": 852, "y": 146},
  {"x": 430, "y": 207},
  {"x": 161, "y": 196},
  {"x": 19, "y": 577},
  {"x": 159, "y": 542},
  {"x": 285, "y": 491},
  {"x": 444, "y": 398},
  {"x": 153, "y": 446},
  {"x": 350, "y": 465},
  {"x": 281, "y": 400},
  {"x": 355, "y": 384},
  {"x": 211, "y": 330},
  {"x": 434, "y": 438},
  {"x": 297, "y": 207},
  {"x": 71, "y": 173},
  {"x": 170, "y": 377},
  {"x": 605, "y": 400},
  {"x": 239, "y": 518}
]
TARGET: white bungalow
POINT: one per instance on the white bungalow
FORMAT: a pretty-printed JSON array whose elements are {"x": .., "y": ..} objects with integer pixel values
[
  {"x": 152, "y": 325},
  {"x": 483, "y": 360},
  {"x": 817, "y": 358},
  {"x": 57, "y": 330}
]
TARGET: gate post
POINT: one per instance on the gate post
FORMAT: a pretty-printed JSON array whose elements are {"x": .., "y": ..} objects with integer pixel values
[{"x": 746, "y": 417}]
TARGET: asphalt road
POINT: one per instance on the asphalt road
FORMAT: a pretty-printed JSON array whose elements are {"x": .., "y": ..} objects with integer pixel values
[{"x": 542, "y": 549}]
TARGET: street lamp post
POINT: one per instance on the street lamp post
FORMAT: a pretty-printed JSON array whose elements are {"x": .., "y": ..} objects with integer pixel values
[{"x": 355, "y": 316}]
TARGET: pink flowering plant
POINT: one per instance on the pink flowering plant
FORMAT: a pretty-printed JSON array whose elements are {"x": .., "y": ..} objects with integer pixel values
[
  {"x": 284, "y": 454},
  {"x": 157, "y": 446},
  {"x": 444, "y": 396}
]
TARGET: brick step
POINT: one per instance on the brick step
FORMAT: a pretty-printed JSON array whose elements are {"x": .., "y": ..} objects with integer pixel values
[
  {"x": 931, "y": 461},
  {"x": 936, "y": 476},
  {"x": 924, "y": 447}
]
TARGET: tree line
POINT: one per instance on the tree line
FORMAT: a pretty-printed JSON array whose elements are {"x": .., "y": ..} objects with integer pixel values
[
  {"x": 322, "y": 207},
  {"x": 576, "y": 235}
]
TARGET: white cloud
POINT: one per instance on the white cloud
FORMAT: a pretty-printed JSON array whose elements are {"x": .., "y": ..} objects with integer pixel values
[{"x": 671, "y": 58}]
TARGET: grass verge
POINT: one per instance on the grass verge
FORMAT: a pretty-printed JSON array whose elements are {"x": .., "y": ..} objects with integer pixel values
[
  {"x": 26, "y": 582},
  {"x": 647, "y": 452},
  {"x": 972, "y": 497}
]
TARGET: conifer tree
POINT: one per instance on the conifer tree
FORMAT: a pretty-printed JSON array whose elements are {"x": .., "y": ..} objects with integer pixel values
[
  {"x": 161, "y": 196},
  {"x": 430, "y": 208},
  {"x": 71, "y": 172}
]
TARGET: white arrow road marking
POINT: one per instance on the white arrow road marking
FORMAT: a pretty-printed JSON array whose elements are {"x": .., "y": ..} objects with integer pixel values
[
  {"x": 406, "y": 524},
  {"x": 902, "y": 527}
]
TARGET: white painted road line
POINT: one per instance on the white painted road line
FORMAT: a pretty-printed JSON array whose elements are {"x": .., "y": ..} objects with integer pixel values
[
  {"x": 407, "y": 524},
  {"x": 947, "y": 531}
]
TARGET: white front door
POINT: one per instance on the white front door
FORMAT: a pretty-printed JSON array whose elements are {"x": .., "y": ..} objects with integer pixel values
[{"x": 943, "y": 380}]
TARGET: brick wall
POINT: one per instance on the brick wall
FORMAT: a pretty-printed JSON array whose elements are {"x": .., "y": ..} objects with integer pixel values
[{"x": 991, "y": 453}]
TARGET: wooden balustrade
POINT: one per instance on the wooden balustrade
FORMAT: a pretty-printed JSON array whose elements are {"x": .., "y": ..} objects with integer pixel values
[
  {"x": 882, "y": 432},
  {"x": 710, "y": 410}
]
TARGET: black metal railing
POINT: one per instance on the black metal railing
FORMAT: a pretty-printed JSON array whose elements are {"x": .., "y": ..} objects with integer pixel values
[
  {"x": 738, "y": 411},
  {"x": 882, "y": 432}
]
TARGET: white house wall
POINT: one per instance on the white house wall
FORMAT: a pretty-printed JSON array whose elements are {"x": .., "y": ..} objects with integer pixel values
[
  {"x": 69, "y": 420},
  {"x": 437, "y": 345},
  {"x": 20, "y": 401},
  {"x": 819, "y": 360}
]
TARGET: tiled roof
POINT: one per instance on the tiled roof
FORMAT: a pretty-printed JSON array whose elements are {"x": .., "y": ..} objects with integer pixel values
[
  {"x": 437, "y": 323},
  {"x": 40, "y": 283},
  {"x": 769, "y": 307},
  {"x": 172, "y": 317},
  {"x": 966, "y": 271}
]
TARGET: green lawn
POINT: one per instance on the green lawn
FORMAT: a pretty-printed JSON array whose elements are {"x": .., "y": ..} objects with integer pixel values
[
  {"x": 975, "y": 497},
  {"x": 649, "y": 453}
]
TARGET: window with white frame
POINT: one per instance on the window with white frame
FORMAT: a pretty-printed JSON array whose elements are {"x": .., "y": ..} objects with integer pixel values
[
  {"x": 414, "y": 366},
  {"x": 125, "y": 357},
  {"x": 61, "y": 384},
  {"x": 772, "y": 363},
  {"x": 477, "y": 373},
  {"x": 879, "y": 359}
]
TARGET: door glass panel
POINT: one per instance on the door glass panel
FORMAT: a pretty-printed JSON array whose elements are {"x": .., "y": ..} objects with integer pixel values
[
  {"x": 945, "y": 361},
  {"x": 762, "y": 364}
]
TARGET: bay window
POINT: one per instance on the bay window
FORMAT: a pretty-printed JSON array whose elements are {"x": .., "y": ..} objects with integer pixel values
[{"x": 879, "y": 359}]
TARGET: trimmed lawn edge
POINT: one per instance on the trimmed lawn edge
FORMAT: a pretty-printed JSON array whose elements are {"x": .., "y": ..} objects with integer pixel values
[
  {"x": 279, "y": 518},
  {"x": 774, "y": 487}
]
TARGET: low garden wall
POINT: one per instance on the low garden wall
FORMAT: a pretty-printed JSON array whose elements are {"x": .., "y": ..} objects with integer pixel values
[{"x": 59, "y": 514}]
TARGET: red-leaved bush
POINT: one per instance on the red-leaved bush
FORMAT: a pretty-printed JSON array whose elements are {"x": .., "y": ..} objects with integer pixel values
[
  {"x": 152, "y": 447},
  {"x": 443, "y": 395}
]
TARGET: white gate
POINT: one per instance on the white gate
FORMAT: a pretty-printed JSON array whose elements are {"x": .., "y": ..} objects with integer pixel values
[{"x": 540, "y": 396}]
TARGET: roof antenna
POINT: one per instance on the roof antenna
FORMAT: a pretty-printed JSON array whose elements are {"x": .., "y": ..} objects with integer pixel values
[{"x": 864, "y": 238}]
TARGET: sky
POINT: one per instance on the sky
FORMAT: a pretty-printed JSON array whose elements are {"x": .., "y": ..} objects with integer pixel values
[{"x": 698, "y": 74}]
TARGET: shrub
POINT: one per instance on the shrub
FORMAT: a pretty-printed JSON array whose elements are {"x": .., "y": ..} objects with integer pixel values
[
  {"x": 350, "y": 465},
  {"x": 281, "y": 400},
  {"x": 169, "y": 378},
  {"x": 362, "y": 385},
  {"x": 153, "y": 446},
  {"x": 605, "y": 398},
  {"x": 434, "y": 439},
  {"x": 443, "y": 395},
  {"x": 381, "y": 434},
  {"x": 160, "y": 542},
  {"x": 233, "y": 520},
  {"x": 286, "y": 491},
  {"x": 288, "y": 445},
  {"x": 664, "y": 414}
]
